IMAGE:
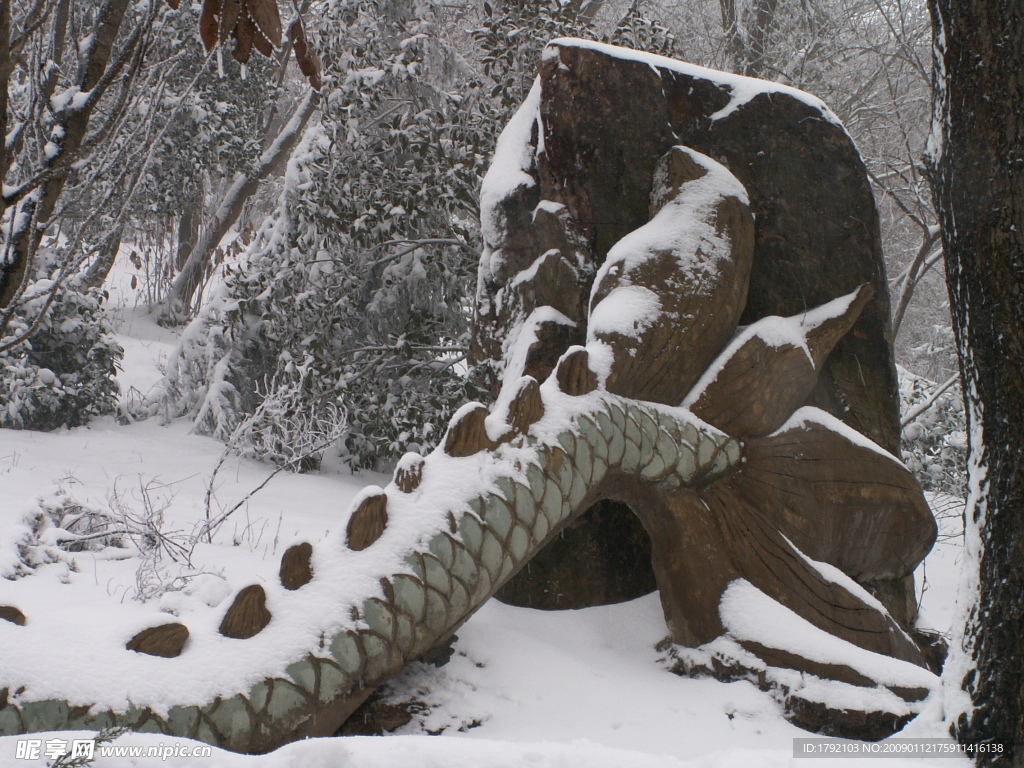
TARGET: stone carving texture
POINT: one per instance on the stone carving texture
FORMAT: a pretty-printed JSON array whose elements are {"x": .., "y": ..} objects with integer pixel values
[
  {"x": 166, "y": 640},
  {"x": 815, "y": 238},
  {"x": 447, "y": 579}
]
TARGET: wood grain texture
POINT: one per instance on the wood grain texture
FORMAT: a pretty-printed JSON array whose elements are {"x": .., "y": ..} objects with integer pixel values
[
  {"x": 296, "y": 566},
  {"x": 761, "y": 383},
  {"x": 12, "y": 614},
  {"x": 574, "y": 375},
  {"x": 167, "y": 640},
  {"x": 701, "y": 294},
  {"x": 467, "y": 434},
  {"x": 367, "y": 522},
  {"x": 690, "y": 585},
  {"x": 527, "y": 407},
  {"x": 822, "y": 337},
  {"x": 777, "y": 657},
  {"x": 838, "y": 502},
  {"x": 248, "y": 614},
  {"x": 758, "y": 388},
  {"x": 409, "y": 475},
  {"x": 766, "y": 559}
]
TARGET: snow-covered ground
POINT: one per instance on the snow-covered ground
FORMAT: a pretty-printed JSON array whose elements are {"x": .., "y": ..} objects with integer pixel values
[{"x": 524, "y": 688}]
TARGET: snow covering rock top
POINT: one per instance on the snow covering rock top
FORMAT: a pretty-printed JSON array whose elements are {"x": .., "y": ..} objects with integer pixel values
[
  {"x": 742, "y": 89},
  {"x": 510, "y": 167}
]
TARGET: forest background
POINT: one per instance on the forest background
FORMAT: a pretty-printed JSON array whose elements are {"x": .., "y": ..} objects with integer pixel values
[{"x": 315, "y": 231}]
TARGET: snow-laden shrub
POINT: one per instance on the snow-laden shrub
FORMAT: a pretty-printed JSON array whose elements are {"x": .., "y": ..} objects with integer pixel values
[
  {"x": 132, "y": 522},
  {"x": 58, "y": 528},
  {"x": 934, "y": 445},
  {"x": 63, "y": 374},
  {"x": 354, "y": 301}
]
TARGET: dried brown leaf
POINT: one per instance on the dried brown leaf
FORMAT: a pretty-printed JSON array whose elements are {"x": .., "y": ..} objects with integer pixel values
[
  {"x": 208, "y": 23},
  {"x": 265, "y": 15},
  {"x": 307, "y": 58},
  {"x": 229, "y": 18},
  {"x": 261, "y": 43},
  {"x": 297, "y": 34},
  {"x": 315, "y": 68},
  {"x": 245, "y": 31}
]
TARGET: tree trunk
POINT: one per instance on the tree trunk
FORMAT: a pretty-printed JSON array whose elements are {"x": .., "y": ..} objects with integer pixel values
[
  {"x": 74, "y": 123},
  {"x": 978, "y": 179},
  {"x": 101, "y": 265},
  {"x": 747, "y": 31},
  {"x": 6, "y": 69},
  {"x": 230, "y": 208},
  {"x": 188, "y": 231}
]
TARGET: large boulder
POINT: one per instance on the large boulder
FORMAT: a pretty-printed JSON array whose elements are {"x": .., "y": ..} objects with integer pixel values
[{"x": 573, "y": 175}]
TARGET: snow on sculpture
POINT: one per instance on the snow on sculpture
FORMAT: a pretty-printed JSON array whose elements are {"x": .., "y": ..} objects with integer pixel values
[{"x": 624, "y": 375}]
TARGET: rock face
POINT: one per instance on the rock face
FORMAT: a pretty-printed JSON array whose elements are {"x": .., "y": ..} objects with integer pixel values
[
  {"x": 574, "y": 174},
  {"x": 604, "y": 123}
]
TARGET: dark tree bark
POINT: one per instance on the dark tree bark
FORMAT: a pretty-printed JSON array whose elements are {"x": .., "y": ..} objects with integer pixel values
[
  {"x": 230, "y": 207},
  {"x": 104, "y": 260},
  {"x": 188, "y": 232},
  {"x": 978, "y": 179},
  {"x": 93, "y": 67}
]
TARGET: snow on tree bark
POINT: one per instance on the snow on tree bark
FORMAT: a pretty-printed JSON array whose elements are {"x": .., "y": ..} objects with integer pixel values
[{"x": 977, "y": 156}]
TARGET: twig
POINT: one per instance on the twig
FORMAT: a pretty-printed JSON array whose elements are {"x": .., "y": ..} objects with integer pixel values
[{"x": 917, "y": 410}]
